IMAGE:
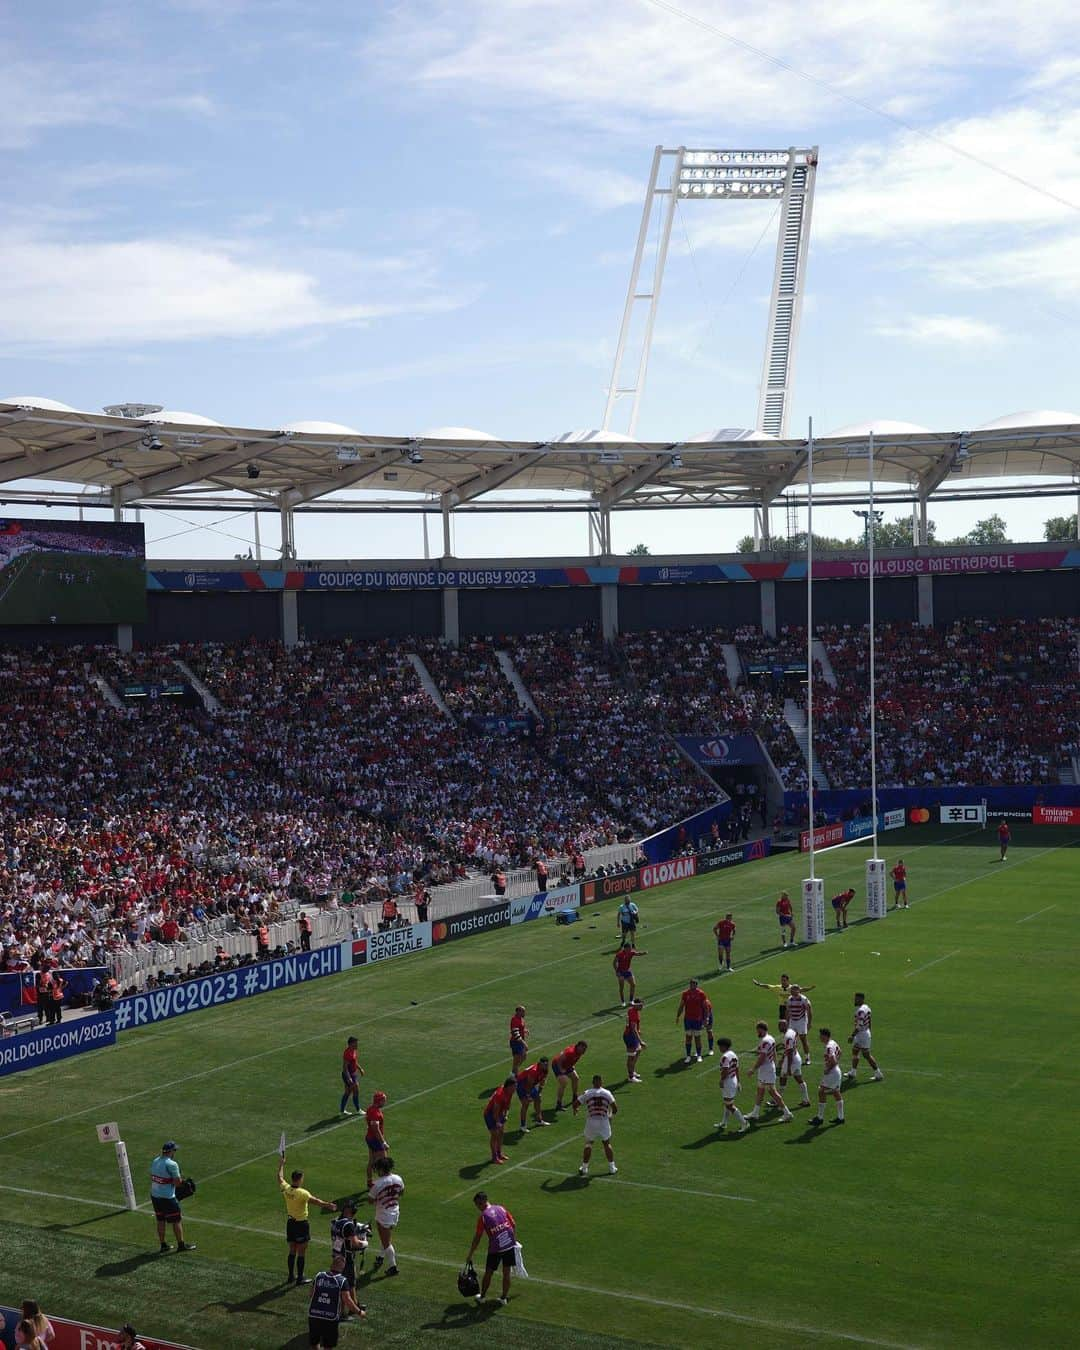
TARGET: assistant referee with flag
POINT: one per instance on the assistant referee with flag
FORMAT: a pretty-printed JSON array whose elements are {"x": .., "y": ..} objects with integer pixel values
[{"x": 297, "y": 1228}]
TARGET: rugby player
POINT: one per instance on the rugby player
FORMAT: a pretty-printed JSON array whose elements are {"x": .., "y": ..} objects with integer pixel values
[
  {"x": 495, "y": 1113},
  {"x": 786, "y": 916},
  {"x": 791, "y": 1061},
  {"x": 729, "y": 1086},
  {"x": 623, "y": 973},
  {"x": 830, "y": 1081},
  {"x": 765, "y": 1067},
  {"x": 563, "y": 1067},
  {"x": 529, "y": 1085},
  {"x": 899, "y": 885},
  {"x": 519, "y": 1038},
  {"x": 692, "y": 1011},
  {"x": 859, "y": 1040},
  {"x": 724, "y": 929},
  {"x": 386, "y": 1195},
  {"x": 351, "y": 1073},
  {"x": 373, "y": 1134},
  {"x": 600, "y": 1106},
  {"x": 632, "y": 1040}
]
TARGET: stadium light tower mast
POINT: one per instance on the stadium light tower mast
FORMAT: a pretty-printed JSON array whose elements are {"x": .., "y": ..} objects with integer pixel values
[{"x": 786, "y": 176}]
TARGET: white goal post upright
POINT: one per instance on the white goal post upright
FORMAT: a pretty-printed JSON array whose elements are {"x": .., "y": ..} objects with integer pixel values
[
  {"x": 813, "y": 888},
  {"x": 876, "y": 907},
  {"x": 110, "y": 1134}
]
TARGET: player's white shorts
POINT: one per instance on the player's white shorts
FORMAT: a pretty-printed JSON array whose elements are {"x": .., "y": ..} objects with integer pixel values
[
  {"x": 862, "y": 1040},
  {"x": 798, "y": 1025},
  {"x": 730, "y": 1089},
  {"x": 767, "y": 1074},
  {"x": 831, "y": 1080},
  {"x": 796, "y": 1066},
  {"x": 597, "y": 1128},
  {"x": 387, "y": 1217}
]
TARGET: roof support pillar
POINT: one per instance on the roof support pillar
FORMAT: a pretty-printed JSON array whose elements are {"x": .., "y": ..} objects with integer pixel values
[
  {"x": 288, "y": 530},
  {"x": 447, "y": 542},
  {"x": 117, "y": 504}
]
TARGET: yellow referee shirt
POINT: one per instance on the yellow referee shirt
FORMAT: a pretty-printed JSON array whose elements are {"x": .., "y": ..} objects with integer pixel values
[{"x": 296, "y": 1200}]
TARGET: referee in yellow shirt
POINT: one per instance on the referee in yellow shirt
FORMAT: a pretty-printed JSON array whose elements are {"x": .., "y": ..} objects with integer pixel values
[{"x": 297, "y": 1228}]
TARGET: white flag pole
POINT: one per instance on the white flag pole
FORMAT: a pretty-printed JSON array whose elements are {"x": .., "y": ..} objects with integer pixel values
[
  {"x": 875, "y": 866},
  {"x": 813, "y": 888}
]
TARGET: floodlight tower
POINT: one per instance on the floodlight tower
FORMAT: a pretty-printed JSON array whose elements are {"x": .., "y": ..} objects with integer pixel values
[{"x": 786, "y": 176}]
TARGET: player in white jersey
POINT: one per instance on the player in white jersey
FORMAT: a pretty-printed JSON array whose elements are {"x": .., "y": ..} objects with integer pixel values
[
  {"x": 729, "y": 1086},
  {"x": 600, "y": 1106},
  {"x": 791, "y": 1061},
  {"x": 800, "y": 1017},
  {"x": 765, "y": 1067},
  {"x": 859, "y": 1040},
  {"x": 385, "y": 1195},
  {"x": 830, "y": 1080}
]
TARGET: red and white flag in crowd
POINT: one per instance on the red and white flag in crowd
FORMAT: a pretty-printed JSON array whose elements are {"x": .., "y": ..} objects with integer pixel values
[{"x": 28, "y": 989}]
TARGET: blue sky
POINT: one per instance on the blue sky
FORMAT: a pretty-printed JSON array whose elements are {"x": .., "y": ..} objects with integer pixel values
[{"x": 404, "y": 216}]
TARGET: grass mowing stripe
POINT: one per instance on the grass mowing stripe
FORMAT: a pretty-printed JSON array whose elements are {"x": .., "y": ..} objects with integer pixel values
[{"x": 745, "y": 1319}]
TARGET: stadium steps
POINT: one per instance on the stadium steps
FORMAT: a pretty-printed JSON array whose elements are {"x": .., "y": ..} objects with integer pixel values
[
  {"x": 429, "y": 686},
  {"x": 210, "y": 703},
  {"x": 108, "y": 693},
  {"x": 732, "y": 662},
  {"x": 796, "y": 720},
  {"x": 1070, "y": 773},
  {"x": 821, "y": 656},
  {"x": 506, "y": 661}
]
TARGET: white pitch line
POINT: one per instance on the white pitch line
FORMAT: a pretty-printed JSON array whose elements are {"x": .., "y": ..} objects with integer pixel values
[
  {"x": 567, "y": 1139},
  {"x": 723, "y": 1314},
  {"x": 1027, "y": 917},
  {"x": 936, "y": 962},
  {"x": 647, "y": 1185}
]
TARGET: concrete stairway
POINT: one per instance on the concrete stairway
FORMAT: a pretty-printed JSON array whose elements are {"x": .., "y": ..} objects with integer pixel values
[
  {"x": 821, "y": 656},
  {"x": 796, "y": 720},
  {"x": 210, "y": 703},
  {"x": 732, "y": 662},
  {"x": 506, "y": 663},
  {"x": 108, "y": 693},
  {"x": 428, "y": 684}
]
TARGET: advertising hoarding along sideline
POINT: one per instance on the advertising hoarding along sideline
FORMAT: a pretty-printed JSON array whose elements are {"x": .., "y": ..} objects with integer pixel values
[
  {"x": 660, "y": 874},
  {"x": 525, "y": 908},
  {"x": 1055, "y": 815},
  {"x": 48, "y": 1044},
  {"x": 972, "y": 814},
  {"x": 824, "y": 836},
  {"x": 393, "y": 942},
  {"x": 158, "y": 1005},
  {"x": 465, "y": 925},
  {"x": 563, "y": 897}
]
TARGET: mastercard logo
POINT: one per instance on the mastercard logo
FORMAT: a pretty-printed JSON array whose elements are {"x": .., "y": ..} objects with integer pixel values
[
  {"x": 918, "y": 815},
  {"x": 438, "y": 932}
]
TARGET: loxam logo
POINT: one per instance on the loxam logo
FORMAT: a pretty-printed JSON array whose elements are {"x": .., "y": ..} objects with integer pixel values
[{"x": 659, "y": 874}]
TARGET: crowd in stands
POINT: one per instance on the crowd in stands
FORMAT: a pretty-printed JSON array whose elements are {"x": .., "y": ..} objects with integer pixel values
[
  {"x": 977, "y": 701},
  {"x": 328, "y": 771}
]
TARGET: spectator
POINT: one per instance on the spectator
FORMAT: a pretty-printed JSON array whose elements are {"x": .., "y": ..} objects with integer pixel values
[{"x": 42, "y": 1327}]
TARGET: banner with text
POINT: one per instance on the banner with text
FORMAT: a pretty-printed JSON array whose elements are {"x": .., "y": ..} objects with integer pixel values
[
  {"x": 971, "y": 814},
  {"x": 466, "y": 925},
  {"x": 1055, "y": 815},
  {"x": 394, "y": 942},
  {"x": 525, "y": 908},
  {"x": 563, "y": 897},
  {"x": 824, "y": 837},
  {"x": 722, "y": 752},
  {"x": 48, "y": 1044},
  {"x": 158, "y": 1005}
]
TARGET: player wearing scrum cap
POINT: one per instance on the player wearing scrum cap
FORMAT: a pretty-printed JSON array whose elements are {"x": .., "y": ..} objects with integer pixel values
[{"x": 373, "y": 1134}]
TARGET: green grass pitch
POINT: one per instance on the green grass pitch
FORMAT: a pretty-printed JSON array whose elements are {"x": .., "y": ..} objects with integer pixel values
[
  {"x": 33, "y": 589},
  {"x": 941, "y": 1215}
]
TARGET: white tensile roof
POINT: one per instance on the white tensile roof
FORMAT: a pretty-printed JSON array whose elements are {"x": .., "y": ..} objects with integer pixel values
[{"x": 41, "y": 439}]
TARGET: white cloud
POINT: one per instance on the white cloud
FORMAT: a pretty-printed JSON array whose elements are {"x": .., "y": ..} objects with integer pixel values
[
  {"x": 168, "y": 290},
  {"x": 631, "y": 63},
  {"x": 940, "y": 330},
  {"x": 595, "y": 186}
]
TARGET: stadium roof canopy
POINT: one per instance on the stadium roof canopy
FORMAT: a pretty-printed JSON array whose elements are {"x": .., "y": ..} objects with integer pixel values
[{"x": 104, "y": 461}]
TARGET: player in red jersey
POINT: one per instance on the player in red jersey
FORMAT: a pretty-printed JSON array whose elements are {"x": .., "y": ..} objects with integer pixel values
[
  {"x": 563, "y": 1067},
  {"x": 351, "y": 1073},
  {"x": 374, "y": 1137},
  {"x": 529, "y": 1085},
  {"x": 692, "y": 1011},
  {"x": 519, "y": 1038},
  {"x": 495, "y": 1113},
  {"x": 632, "y": 1040},
  {"x": 1004, "y": 835},
  {"x": 899, "y": 885},
  {"x": 840, "y": 904},
  {"x": 623, "y": 973},
  {"x": 707, "y": 1022},
  {"x": 724, "y": 930},
  {"x": 786, "y": 916}
]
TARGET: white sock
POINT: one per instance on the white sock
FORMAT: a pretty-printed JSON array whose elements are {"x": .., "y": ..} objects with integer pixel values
[
  {"x": 390, "y": 1255},
  {"x": 840, "y": 1109},
  {"x": 806, "y": 1094},
  {"x": 738, "y": 1115}
]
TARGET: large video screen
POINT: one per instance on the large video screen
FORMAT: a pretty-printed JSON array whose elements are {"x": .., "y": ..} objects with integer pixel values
[{"x": 71, "y": 571}]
